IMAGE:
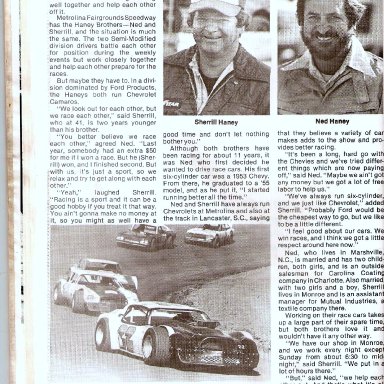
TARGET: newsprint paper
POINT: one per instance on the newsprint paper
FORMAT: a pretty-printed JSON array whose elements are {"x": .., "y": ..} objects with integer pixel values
[{"x": 196, "y": 191}]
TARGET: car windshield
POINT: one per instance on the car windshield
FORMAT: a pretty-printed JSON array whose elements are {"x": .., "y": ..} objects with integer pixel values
[
  {"x": 126, "y": 284},
  {"x": 211, "y": 227},
  {"x": 161, "y": 316},
  {"x": 144, "y": 228},
  {"x": 97, "y": 266},
  {"x": 89, "y": 279}
]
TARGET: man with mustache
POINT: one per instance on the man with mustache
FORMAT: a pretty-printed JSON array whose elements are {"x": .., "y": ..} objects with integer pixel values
[
  {"x": 335, "y": 75},
  {"x": 217, "y": 76}
]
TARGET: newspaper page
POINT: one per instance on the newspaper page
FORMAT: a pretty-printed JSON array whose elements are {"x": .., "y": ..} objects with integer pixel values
[{"x": 203, "y": 191}]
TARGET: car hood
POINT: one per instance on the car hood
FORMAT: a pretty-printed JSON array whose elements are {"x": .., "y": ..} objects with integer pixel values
[
  {"x": 194, "y": 329},
  {"x": 201, "y": 231}
]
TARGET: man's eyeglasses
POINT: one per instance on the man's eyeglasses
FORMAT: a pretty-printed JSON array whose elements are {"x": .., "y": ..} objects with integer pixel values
[{"x": 217, "y": 21}]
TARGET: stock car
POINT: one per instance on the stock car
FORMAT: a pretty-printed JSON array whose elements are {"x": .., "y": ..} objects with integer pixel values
[
  {"x": 213, "y": 235},
  {"x": 168, "y": 334},
  {"x": 147, "y": 236},
  {"x": 95, "y": 291}
]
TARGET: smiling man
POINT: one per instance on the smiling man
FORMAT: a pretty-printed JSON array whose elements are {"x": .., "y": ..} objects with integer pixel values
[
  {"x": 335, "y": 75},
  {"x": 217, "y": 76}
]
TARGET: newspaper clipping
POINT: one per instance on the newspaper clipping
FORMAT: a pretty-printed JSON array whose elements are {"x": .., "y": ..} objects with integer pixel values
[{"x": 178, "y": 224}]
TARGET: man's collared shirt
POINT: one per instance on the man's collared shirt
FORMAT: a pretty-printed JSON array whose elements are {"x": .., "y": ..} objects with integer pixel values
[
  {"x": 200, "y": 88},
  {"x": 357, "y": 86}
]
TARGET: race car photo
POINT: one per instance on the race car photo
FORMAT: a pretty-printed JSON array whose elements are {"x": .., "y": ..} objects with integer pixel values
[
  {"x": 147, "y": 236},
  {"x": 174, "y": 335},
  {"x": 213, "y": 235},
  {"x": 95, "y": 291}
]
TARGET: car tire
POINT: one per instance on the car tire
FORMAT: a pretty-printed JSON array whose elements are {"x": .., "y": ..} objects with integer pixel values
[
  {"x": 77, "y": 304},
  {"x": 251, "y": 354},
  {"x": 156, "y": 347},
  {"x": 58, "y": 298},
  {"x": 251, "y": 359},
  {"x": 152, "y": 245},
  {"x": 102, "y": 336},
  {"x": 216, "y": 242},
  {"x": 230, "y": 238},
  {"x": 169, "y": 244}
]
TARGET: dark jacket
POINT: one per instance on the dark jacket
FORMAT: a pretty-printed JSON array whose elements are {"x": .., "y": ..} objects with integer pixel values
[{"x": 244, "y": 92}]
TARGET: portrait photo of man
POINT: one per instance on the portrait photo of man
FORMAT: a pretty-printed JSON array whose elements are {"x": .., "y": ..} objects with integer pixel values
[
  {"x": 216, "y": 75},
  {"x": 336, "y": 74}
]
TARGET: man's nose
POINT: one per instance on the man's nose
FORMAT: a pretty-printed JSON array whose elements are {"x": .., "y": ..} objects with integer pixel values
[
  {"x": 323, "y": 26},
  {"x": 211, "y": 26}
]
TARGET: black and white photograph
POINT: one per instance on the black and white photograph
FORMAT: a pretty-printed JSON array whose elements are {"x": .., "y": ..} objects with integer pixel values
[
  {"x": 160, "y": 303},
  {"x": 217, "y": 57},
  {"x": 331, "y": 57}
]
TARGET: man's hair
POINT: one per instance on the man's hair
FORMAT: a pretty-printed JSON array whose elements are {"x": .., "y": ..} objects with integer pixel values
[
  {"x": 354, "y": 10},
  {"x": 242, "y": 19}
]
